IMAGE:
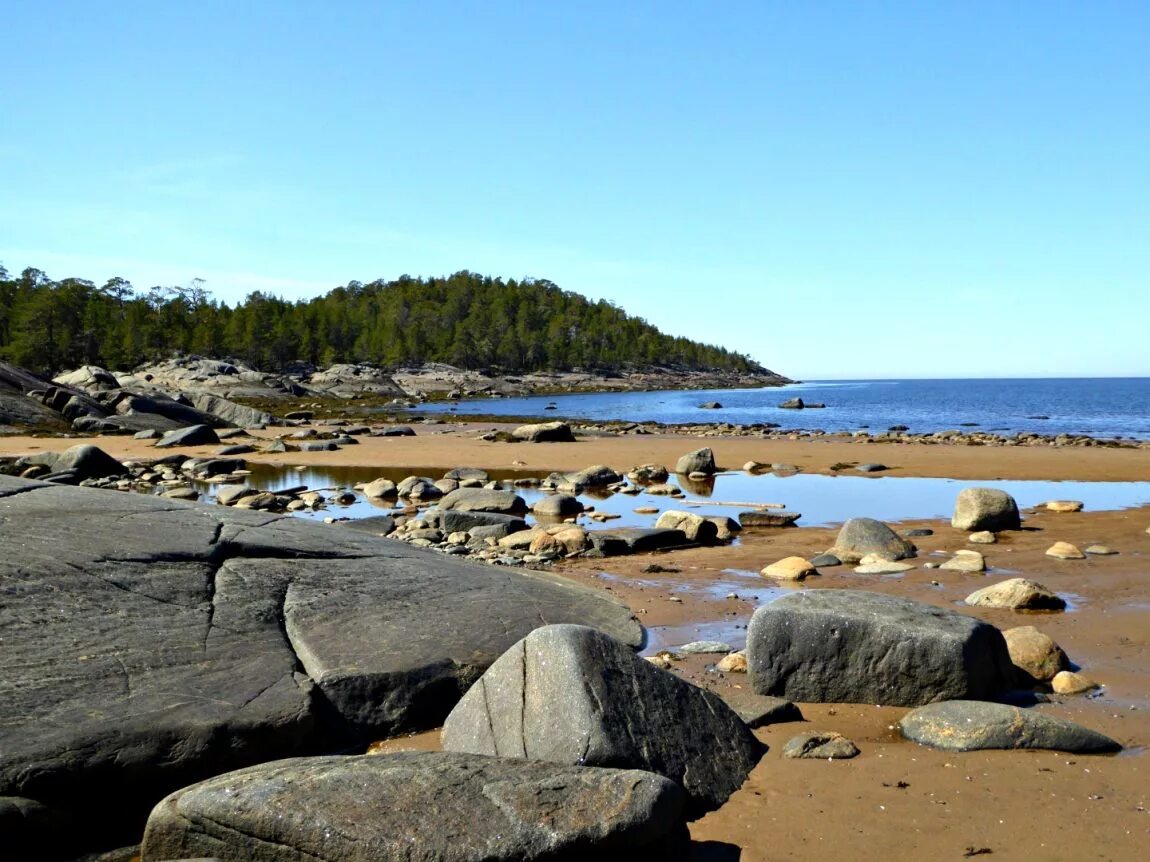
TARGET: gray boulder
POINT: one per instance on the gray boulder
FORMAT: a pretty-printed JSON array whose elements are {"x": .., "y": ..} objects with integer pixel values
[
  {"x": 634, "y": 540},
  {"x": 570, "y": 694},
  {"x": 421, "y": 807},
  {"x": 455, "y": 521},
  {"x": 832, "y": 646},
  {"x": 148, "y": 642},
  {"x": 466, "y": 474},
  {"x": 544, "y": 432},
  {"x": 85, "y": 461},
  {"x": 861, "y": 536},
  {"x": 979, "y": 509},
  {"x": 229, "y": 412},
  {"x": 966, "y": 725},
  {"x": 193, "y": 435},
  {"x": 483, "y": 500},
  {"x": 556, "y": 506},
  {"x": 793, "y": 404},
  {"x": 768, "y": 518},
  {"x": 597, "y": 476},
  {"x": 699, "y": 461}
]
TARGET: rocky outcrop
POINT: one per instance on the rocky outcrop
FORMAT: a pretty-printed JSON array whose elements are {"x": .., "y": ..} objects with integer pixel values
[
  {"x": 569, "y": 694},
  {"x": 149, "y": 643},
  {"x": 833, "y": 646},
  {"x": 962, "y": 725},
  {"x": 421, "y": 807}
]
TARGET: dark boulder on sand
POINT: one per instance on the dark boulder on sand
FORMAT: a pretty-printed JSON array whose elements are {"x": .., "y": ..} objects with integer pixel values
[
  {"x": 148, "y": 643},
  {"x": 859, "y": 537}
]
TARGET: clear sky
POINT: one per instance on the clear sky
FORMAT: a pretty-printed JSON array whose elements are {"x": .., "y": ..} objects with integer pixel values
[{"x": 847, "y": 189}]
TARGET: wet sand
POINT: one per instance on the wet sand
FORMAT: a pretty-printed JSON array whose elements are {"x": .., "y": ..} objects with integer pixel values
[{"x": 897, "y": 800}]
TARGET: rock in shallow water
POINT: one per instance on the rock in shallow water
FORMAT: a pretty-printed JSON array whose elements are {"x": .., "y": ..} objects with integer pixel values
[
  {"x": 985, "y": 509},
  {"x": 828, "y": 646},
  {"x": 968, "y": 725},
  {"x": 569, "y": 694},
  {"x": 420, "y": 807}
]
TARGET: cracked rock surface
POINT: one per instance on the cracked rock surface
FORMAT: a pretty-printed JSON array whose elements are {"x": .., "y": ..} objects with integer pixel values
[
  {"x": 421, "y": 807},
  {"x": 569, "y": 694},
  {"x": 148, "y": 643}
]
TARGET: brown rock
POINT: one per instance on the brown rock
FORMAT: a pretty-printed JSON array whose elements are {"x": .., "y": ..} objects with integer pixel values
[
  {"x": 1069, "y": 682},
  {"x": 1064, "y": 551},
  {"x": 789, "y": 569},
  {"x": 1035, "y": 653}
]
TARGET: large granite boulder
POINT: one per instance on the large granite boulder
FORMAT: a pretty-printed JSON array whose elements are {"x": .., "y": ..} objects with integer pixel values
[
  {"x": 570, "y": 694},
  {"x": 544, "y": 432},
  {"x": 150, "y": 643},
  {"x": 852, "y": 646},
  {"x": 421, "y": 807},
  {"x": 84, "y": 461},
  {"x": 699, "y": 461},
  {"x": 193, "y": 435},
  {"x": 483, "y": 500},
  {"x": 979, "y": 509},
  {"x": 961, "y": 725},
  {"x": 229, "y": 412},
  {"x": 860, "y": 537}
]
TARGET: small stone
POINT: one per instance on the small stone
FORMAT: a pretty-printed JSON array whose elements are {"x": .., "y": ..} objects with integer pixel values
[
  {"x": 919, "y": 533},
  {"x": 1069, "y": 682},
  {"x": 817, "y": 745},
  {"x": 1017, "y": 594},
  {"x": 883, "y": 567},
  {"x": 789, "y": 569},
  {"x": 647, "y": 510},
  {"x": 826, "y": 561},
  {"x": 1064, "y": 551},
  {"x": 735, "y": 662},
  {"x": 1100, "y": 551},
  {"x": 662, "y": 659},
  {"x": 1064, "y": 506},
  {"x": 706, "y": 647},
  {"x": 965, "y": 561},
  {"x": 982, "y": 537}
]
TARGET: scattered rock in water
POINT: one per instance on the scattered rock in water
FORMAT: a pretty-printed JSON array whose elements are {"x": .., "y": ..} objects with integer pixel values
[
  {"x": 467, "y": 474},
  {"x": 1099, "y": 551},
  {"x": 699, "y": 461},
  {"x": 557, "y": 506},
  {"x": 978, "y": 509},
  {"x": 597, "y": 476},
  {"x": 768, "y": 518},
  {"x": 851, "y": 646},
  {"x": 710, "y": 405},
  {"x": 695, "y": 527},
  {"x": 725, "y": 527},
  {"x": 982, "y": 537},
  {"x": 419, "y": 806},
  {"x": 825, "y": 561},
  {"x": 379, "y": 489},
  {"x": 646, "y": 510},
  {"x": 1035, "y": 653},
  {"x": 756, "y": 467},
  {"x": 1070, "y": 682},
  {"x": 965, "y": 561},
  {"x": 483, "y": 500},
  {"x": 969, "y": 725},
  {"x": 817, "y": 745},
  {"x": 230, "y": 495},
  {"x": 789, "y": 569},
  {"x": 735, "y": 662},
  {"x": 648, "y": 473},
  {"x": 570, "y": 694},
  {"x": 544, "y": 432},
  {"x": 1064, "y": 506},
  {"x": 1017, "y": 594},
  {"x": 706, "y": 647},
  {"x": 1064, "y": 551},
  {"x": 861, "y": 536},
  {"x": 792, "y": 404}
]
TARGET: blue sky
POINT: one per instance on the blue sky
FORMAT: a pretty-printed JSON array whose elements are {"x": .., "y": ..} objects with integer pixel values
[{"x": 845, "y": 189}]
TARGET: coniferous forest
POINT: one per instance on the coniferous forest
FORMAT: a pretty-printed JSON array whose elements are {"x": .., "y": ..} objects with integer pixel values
[{"x": 467, "y": 320}]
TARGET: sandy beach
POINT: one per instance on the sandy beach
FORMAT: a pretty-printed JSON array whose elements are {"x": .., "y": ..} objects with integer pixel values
[{"x": 897, "y": 800}]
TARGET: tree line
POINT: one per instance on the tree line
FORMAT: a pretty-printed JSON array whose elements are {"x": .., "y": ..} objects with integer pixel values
[{"x": 468, "y": 320}]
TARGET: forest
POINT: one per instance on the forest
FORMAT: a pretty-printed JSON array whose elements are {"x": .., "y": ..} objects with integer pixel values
[{"x": 468, "y": 320}]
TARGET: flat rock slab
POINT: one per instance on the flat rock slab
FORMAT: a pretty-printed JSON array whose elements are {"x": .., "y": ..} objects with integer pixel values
[
  {"x": 759, "y": 710},
  {"x": 569, "y": 694},
  {"x": 775, "y": 518},
  {"x": 635, "y": 540},
  {"x": 852, "y": 646},
  {"x": 966, "y": 725},
  {"x": 151, "y": 642},
  {"x": 420, "y": 807}
]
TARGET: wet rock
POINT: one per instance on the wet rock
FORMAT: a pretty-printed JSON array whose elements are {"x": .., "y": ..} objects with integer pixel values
[
  {"x": 860, "y": 647},
  {"x": 710, "y": 405},
  {"x": 467, "y": 474},
  {"x": 647, "y": 473},
  {"x": 966, "y": 725},
  {"x": 725, "y": 527},
  {"x": 1018, "y": 594},
  {"x": 789, "y": 569},
  {"x": 768, "y": 518},
  {"x": 570, "y": 694},
  {"x": 819, "y": 745},
  {"x": 454, "y": 520},
  {"x": 204, "y": 638},
  {"x": 965, "y": 561},
  {"x": 825, "y": 561},
  {"x": 319, "y": 446},
  {"x": 793, "y": 404},
  {"x": 1099, "y": 551},
  {"x": 421, "y": 807},
  {"x": 557, "y": 506},
  {"x": 544, "y": 432},
  {"x": 694, "y": 527},
  {"x": 979, "y": 509},
  {"x": 698, "y": 461},
  {"x": 1034, "y": 653},
  {"x": 635, "y": 540},
  {"x": 1064, "y": 506},
  {"x": 1064, "y": 551},
  {"x": 379, "y": 489},
  {"x": 229, "y": 495},
  {"x": 756, "y": 467},
  {"x": 861, "y": 536},
  {"x": 1070, "y": 682},
  {"x": 597, "y": 476},
  {"x": 483, "y": 500}
]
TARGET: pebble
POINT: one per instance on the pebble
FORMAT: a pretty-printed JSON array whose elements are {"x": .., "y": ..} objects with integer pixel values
[
  {"x": 1064, "y": 551},
  {"x": 1100, "y": 551},
  {"x": 982, "y": 537},
  {"x": 1069, "y": 682}
]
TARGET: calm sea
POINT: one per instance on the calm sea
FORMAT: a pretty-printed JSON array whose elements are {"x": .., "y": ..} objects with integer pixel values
[{"x": 1100, "y": 407}]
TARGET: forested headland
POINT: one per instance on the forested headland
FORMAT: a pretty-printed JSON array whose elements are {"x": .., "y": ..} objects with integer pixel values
[{"x": 467, "y": 320}]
